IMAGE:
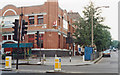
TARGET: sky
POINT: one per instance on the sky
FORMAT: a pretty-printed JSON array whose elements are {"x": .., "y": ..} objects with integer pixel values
[{"x": 110, "y": 14}]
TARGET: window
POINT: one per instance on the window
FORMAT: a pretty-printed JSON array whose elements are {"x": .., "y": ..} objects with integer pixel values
[
  {"x": 40, "y": 19},
  {"x": 59, "y": 41},
  {"x": 64, "y": 43},
  {"x": 59, "y": 21},
  {"x": 65, "y": 24},
  {"x": 9, "y": 37},
  {"x": 31, "y": 39},
  {"x": 5, "y": 37},
  {"x": 41, "y": 40},
  {"x": 31, "y": 20},
  {"x": 31, "y": 36}
]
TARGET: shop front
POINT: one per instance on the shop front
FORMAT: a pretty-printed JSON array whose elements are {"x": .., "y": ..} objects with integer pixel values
[{"x": 10, "y": 49}]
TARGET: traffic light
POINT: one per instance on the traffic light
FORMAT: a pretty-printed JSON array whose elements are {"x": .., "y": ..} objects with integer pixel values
[
  {"x": 37, "y": 38},
  {"x": 15, "y": 27},
  {"x": 68, "y": 39},
  {"x": 24, "y": 28}
]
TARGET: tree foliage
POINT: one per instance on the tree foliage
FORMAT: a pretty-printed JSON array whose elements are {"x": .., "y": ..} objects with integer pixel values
[
  {"x": 102, "y": 37},
  {"x": 115, "y": 44}
]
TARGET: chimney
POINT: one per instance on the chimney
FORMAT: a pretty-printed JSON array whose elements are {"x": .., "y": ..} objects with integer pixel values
[{"x": 52, "y": 0}]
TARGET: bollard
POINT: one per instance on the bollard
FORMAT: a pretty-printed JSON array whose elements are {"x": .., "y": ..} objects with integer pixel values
[
  {"x": 70, "y": 55},
  {"x": 44, "y": 59},
  {"x": 55, "y": 55},
  {"x": 8, "y": 64},
  {"x": 83, "y": 58},
  {"x": 57, "y": 65},
  {"x": 70, "y": 58}
]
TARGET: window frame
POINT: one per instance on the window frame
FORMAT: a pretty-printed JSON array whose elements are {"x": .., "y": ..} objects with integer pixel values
[
  {"x": 9, "y": 36},
  {"x": 40, "y": 17},
  {"x": 5, "y": 37},
  {"x": 31, "y": 18}
]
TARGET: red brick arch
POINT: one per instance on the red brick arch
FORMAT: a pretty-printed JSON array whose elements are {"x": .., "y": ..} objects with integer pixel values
[
  {"x": 10, "y": 10},
  {"x": 8, "y": 49}
]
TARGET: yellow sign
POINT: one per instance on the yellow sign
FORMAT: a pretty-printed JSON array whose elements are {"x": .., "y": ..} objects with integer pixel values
[
  {"x": 8, "y": 62},
  {"x": 7, "y": 58},
  {"x": 56, "y": 60},
  {"x": 57, "y": 65}
]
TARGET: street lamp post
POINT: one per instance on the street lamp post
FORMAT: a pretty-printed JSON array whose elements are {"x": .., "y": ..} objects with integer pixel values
[
  {"x": 92, "y": 28},
  {"x": 92, "y": 35}
]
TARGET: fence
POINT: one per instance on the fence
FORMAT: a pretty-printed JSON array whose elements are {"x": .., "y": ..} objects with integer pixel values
[{"x": 95, "y": 55}]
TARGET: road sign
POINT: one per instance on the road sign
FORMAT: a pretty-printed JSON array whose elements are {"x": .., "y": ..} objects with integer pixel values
[
  {"x": 79, "y": 50},
  {"x": 57, "y": 65},
  {"x": 8, "y": 64}
]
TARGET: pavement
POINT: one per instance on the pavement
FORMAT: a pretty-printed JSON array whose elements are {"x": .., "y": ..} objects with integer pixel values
[
  {"x": 65, "y": 61},
  {"x": 75, "y": 60},
  {"x": 102, "y": 65}
]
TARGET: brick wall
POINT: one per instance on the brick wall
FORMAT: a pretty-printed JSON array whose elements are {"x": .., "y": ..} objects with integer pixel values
[{"x": 52, "y": 10}]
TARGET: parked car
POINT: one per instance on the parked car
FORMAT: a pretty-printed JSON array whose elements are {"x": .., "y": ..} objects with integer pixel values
[
  {"x": 106, "y": 53},
  {"x": 114, "y": 50}
]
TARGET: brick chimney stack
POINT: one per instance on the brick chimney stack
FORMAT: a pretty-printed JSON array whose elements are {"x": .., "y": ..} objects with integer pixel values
[{"x": 52, "y": 0}]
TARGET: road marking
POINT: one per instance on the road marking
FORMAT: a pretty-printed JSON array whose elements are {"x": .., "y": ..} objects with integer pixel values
[{"x": 99, "y": 61}]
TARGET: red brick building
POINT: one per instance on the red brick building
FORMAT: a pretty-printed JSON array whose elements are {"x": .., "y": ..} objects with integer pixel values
[{"x": 49, "y": 19}]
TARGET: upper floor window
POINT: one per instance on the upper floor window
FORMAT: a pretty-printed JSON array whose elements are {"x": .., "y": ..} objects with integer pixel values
[
  {"x": 31, "y": 20},
  {"x": 59, "y": 21},
  {"x": 9, "y": 37},
  {"x": 31, "y": 36},
  {"x": 40, "y": 19},
  {"x": 31, "y": 39},
  {"x": 5, "y": 37}
]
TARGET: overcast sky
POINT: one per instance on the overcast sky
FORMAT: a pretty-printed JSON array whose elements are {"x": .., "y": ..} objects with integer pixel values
[{"x": 110, "y": 14}]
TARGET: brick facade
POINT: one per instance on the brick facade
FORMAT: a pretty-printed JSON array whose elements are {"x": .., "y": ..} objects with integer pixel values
[{"x": 54, "y": 37}]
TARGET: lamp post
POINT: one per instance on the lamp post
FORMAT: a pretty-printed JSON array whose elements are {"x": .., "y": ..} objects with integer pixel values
[{"x": 92, "y": 23}]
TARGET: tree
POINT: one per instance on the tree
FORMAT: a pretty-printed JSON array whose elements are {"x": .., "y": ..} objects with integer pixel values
[
  {"x": 102, "y": 37},
  {"x": 118, "y": 45},
  {"x": 115, "y": 43}
]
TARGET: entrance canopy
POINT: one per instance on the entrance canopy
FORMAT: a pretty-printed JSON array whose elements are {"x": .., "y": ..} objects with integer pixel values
[{"x": 15, "y": 45}]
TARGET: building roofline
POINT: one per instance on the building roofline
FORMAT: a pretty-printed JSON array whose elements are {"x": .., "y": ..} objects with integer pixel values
[
  {"x": 8, "y": 5},
  {"x": 22, "y": 6}
]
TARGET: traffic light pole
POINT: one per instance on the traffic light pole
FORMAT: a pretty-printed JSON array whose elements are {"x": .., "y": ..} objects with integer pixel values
[
  {"x": 70, "y": 51},
  {"x": 18, "y": 49},
  {"x": 40, "y": 47},
  {"x": 18, "y": 46},
  {"x": 18, "y": 40}
]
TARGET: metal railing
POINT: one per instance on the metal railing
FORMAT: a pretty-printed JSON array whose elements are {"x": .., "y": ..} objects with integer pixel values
[{"x": 95, "y": 55}]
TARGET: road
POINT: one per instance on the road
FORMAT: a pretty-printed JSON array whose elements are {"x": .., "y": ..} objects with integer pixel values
[{"x": 105, "y": 65}]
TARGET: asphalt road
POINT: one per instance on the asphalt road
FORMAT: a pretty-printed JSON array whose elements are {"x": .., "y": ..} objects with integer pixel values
[{"x": 104, "y": 66}]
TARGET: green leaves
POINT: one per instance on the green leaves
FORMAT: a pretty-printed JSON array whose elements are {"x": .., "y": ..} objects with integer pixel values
[{"x": 102, "y": 37}]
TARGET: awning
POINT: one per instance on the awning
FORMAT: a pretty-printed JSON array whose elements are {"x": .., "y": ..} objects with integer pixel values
[{"x": 15, "y": 45}]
